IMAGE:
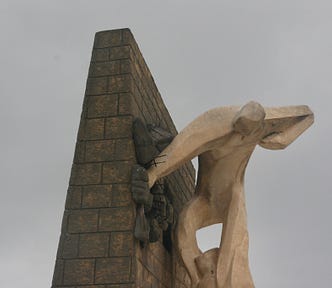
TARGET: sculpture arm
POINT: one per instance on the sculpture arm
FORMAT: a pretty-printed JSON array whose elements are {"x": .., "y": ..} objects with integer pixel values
[
  {"x": 198, "y": 136},
  {"x": 192, "y": 141}
]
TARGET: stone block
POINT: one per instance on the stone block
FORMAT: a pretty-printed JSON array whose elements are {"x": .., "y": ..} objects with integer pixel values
[
  {"x": 94, "y": 129},
  {"x": 84, "y": 174},
  {"x": 58, "y": 273},
  {"x": 124, "y": 149},
  {"x": 99, "y": 69},
  {"x": 108, "y": 38},
  {"x": 74, "y": 196},
  {"x": 125, "y": 66},
  {"x": 121, "y": 52},
  {"x": 116, "y": 219},
  {"x": 79, "y": 272},
  {"x": 82, "y": 221},
  {"x": 102, "y": 106},
  {"x": 121, "y": 244},
  {"x": 128, "y": 38},
  {"x": 117, "y": 172},
  {"x": 113, "y": 270},
  {"x": 97, "y": 196},
  {"x": 118, "y": 127},
  {"x": 96, "y": 86},
  {"x": 70, "y": 245},
  {"x": 128, "y": 105},
  {"x": 97, "y": 151},
  {"x": 79, "y": 152},
  {"x": 94, "y": 245},
  {"x": 121, "y": 195},
  {"x": 119, "y": 83},
  {"x": 100, "y": 55},
  {"x": 64, "y": 223}
]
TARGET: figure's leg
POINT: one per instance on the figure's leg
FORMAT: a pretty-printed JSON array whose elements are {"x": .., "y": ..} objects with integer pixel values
[
  {"x": 233, "y": 265},
  {"x": 193, "y": 217}
]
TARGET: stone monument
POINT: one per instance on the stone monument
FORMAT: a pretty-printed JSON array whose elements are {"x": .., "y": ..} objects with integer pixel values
[
  {"x": 132, "y": 208},
  {"x": 97, "y": 247}
]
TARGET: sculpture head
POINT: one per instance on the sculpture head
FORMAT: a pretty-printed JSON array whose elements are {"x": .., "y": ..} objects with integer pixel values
[
  {"x": 278, "y": 127},
  {"x": 284, "y": 124}
]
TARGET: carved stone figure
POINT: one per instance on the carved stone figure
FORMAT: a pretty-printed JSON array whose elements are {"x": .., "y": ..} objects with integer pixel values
[{"x": 224, "y": 139}]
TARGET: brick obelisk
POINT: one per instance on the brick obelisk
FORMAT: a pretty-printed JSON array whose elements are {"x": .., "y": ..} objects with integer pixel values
[{"x": 97, "y": 248}]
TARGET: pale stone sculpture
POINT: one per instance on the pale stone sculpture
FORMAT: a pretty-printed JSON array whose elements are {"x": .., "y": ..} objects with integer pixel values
[{"x": 224, "y": 139}]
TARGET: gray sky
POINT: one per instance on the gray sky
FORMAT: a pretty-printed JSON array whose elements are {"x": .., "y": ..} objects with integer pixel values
[{"x": 202, "y": 54}]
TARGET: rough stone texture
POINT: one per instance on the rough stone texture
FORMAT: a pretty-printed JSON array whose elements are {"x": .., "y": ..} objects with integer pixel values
[{"x": 97, "y": 248}]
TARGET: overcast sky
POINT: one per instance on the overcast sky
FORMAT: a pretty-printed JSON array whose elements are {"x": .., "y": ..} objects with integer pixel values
[{"x": 202, "y": 54}]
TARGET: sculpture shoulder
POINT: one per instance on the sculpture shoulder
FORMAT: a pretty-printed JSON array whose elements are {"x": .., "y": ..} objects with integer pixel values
[
  {"x": 215, "y": 122},
  {"x": 219, "y": 114}
]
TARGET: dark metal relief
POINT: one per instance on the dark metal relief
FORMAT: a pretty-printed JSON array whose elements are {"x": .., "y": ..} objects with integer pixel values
[{"x": 154, "y": 207}]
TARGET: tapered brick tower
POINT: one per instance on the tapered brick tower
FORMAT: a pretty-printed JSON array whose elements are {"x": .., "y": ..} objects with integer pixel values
[{"x": 97, "y": 247}]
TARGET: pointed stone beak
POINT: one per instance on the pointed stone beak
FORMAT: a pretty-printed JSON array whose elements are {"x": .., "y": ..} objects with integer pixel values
[{"x": 284, "y": 124}]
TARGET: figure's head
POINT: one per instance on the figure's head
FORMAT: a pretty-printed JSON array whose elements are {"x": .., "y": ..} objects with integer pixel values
[
  {"x": 249, "y": 119},
  {"x": 284, "y": 124}
]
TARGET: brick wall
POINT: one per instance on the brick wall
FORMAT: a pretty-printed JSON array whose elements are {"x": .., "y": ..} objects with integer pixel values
[{"x": 97, "y": 248}]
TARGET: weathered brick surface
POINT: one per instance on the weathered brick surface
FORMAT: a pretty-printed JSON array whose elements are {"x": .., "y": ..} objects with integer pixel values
[
  {"x": 58, "y": 273},
  {"x": 102, "y": 106},
  {"x": 97, "y": 196},
  {"x": 121, "y": 244},
  {"x": 119, "y": 127},
  {"x": 100, "y": 55},
  {"x": 97, "y": 86},
  {"x": 123, "y": 52},
  {"x": 84, "y": 174},
  {"x": 120, "y": 83},
  {"x": 128, "y": 105},
  {"x": 70, "y": 245},
  {"x": 117, "y": 171},
  {"x": 79, "y": 271},
  {"x": 102, "y": 150},
  {"x": 99, "y": 69},
  {"x": 74, "y": 197},
  {"x": 79, "y": 155},
  {"x": 116, "y": 219},
  {"x": 94, "y": 129},
  {"x": 113, "y": 270},
  {"x": 121, "y": 195},
  {"x": 108, "y": 38},
  {"x": 93, "y": 245},
  {"x": 97, "y": 248},
  {"x": 80, "y": 221}
]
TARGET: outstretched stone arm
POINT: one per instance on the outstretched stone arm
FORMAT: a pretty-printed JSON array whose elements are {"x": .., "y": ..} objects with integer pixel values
[
  {"x": 193, "y": 141},
  {"x": 282, "y": 125}
]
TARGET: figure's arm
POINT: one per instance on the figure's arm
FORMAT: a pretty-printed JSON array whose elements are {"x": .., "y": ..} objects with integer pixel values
[
  {"x": 192, "y": 141},
  {"x": 196, "y": 138}
]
